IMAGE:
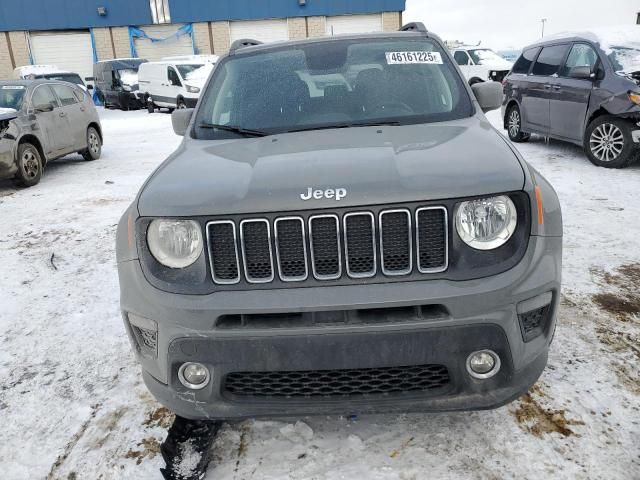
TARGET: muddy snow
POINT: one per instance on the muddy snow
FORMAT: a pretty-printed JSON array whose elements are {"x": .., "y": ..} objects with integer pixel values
[{"x": 73, "y": 405}]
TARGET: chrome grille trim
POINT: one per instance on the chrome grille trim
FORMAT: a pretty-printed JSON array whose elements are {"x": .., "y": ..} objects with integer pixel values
[
  {"x": 408, "y": 270},
  {"x": 222, "y": 281},
  {"x": 446, "y": 240},
  {"x": 316, "y": 275},
  {"x": 283, "y": 277},
  {"x": 373, "y": 244},
  {"x": 244, "y": 257}
]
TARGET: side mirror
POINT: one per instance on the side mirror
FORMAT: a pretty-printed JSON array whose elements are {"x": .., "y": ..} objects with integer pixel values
[
  {"x": 89, "y": 87},
  {"x": 45, "y": 107},
  {"x": 488, "y": 94},
  {"x": 583, "y": 73},
  {"x": 180, "y": 119}
]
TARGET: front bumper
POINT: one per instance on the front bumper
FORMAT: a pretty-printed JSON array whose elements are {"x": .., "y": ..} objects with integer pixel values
[
  {"x": 482, "y": 314},
  {"x": 8, "y": 165}
]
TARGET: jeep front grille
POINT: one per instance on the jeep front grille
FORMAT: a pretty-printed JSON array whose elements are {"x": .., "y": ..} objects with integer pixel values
[
  {"x": 337, "y": 383},
  {"x": 357, "y": 245}
]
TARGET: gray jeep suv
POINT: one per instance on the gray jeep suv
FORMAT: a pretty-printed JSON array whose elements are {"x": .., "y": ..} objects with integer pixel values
[{"x": 341, "y": 231}]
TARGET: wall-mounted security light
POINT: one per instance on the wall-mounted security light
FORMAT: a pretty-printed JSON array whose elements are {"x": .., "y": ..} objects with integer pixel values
[
  {"x": 102, "y": 11},
  {"x": 302, "y": 3}
]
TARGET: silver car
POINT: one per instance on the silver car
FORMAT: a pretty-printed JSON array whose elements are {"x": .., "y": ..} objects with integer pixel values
[{"x": 41, "y": 120}]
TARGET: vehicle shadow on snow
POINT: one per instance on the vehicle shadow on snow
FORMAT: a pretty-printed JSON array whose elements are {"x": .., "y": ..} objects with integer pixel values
[{"x": 565, "y": 152}]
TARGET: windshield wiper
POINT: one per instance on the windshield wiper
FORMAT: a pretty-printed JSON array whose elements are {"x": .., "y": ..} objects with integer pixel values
[
  {"x": 230, "y": 128},
  {"x": 372, "y": 123}
]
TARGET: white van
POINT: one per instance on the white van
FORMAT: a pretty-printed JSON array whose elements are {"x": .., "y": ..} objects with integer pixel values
[
  {"x": 174, "y": 82},
  {"x": 481, "y": 64}
]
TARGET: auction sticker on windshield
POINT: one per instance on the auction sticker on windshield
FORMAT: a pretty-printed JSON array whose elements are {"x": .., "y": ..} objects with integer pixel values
[{"x": 396, "y": 58}]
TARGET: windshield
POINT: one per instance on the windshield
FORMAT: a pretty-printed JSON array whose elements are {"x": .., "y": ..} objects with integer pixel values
[
  {"x": 11, "y": 96},
  {"x": 64, "y": 77},
  {"x": 128, "y": 76},
  {"x": 484, "y": 56},
  {"x": 625, "y": 59},
  {"x": 332, "y": 84},
  {"x": 187, "y": 69}
]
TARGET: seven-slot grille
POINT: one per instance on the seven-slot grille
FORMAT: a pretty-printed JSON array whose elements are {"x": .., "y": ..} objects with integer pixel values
[{"x": 361, "y": 244}]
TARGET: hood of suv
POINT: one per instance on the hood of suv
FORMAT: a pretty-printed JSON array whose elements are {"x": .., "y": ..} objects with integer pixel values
[{"x": 374, "y": 165}]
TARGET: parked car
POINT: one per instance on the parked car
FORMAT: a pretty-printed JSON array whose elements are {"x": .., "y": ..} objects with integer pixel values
[
  {"x": 48, "y": 72},
  {"x": 481, "y": 64},
  {"x": 581, "y": 88},
  {"x": 41, "y": 120},
  {"x": 374, "y": 247},
  {"x": 117, "y": 82},
  {"x": 174, "y": 82}
]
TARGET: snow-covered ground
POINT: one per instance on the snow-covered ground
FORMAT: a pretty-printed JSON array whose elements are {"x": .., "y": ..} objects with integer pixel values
[{"x": 73, "y": 406}]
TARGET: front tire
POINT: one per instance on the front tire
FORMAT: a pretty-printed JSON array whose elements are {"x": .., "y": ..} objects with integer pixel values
[
  {"x": 608, "y": 142},
  {"x": 94, "y": 145},
  {"x": 29, "y": 165},
  {"x": 151, "y": 107},
  {"x": 513, "y": 121}
]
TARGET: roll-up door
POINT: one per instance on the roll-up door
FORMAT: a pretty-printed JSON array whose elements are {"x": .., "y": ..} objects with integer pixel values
[
  {"x": 354, "y": 24},
  {"x": 154, "y": 51},
  {"x": 262, "y": 30},
  {"x": 70, "y": 51}
]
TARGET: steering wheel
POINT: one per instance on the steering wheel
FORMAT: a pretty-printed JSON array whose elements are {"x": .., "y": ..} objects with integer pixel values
[{"x": 386, "y": 106}]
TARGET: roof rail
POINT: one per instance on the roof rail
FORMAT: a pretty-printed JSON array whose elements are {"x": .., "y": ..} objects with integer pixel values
[
  {"x": 414, "y": 27},
  {"x": 243, "y": 42}
]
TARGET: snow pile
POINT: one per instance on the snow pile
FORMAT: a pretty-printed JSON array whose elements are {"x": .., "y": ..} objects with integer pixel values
[
  {"x": 129, "y": 77},
  {"x": 199, "y": 76},
  {"x": 189, "y": 460},
  {"x": 29, "y": 70},
  {"x": 297, "y": 431}
]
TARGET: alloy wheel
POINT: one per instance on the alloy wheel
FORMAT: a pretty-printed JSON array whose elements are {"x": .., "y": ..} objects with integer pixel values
[
  {"x": 30, "y": 164},
  {"x": 606, "y": 142},
  {"x": 514, "y": 123}
]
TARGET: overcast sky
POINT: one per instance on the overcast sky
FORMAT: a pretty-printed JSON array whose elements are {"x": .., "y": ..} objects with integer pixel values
[{"x": 504, "y": 24}]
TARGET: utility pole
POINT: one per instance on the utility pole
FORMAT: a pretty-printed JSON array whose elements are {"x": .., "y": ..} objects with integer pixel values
[{"x": 543, "y": 20}]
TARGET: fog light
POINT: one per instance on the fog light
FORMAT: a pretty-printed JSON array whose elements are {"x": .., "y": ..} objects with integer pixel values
[
  {"x": 194, "y": 375},
  {"x": 483, "y": 364}
]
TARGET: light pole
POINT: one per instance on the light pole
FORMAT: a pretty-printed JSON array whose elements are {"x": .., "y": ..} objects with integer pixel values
[{"x": 543, "y": 20}]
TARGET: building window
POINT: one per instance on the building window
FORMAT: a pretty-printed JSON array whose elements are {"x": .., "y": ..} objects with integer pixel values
[{"x": 160, "y": 11}]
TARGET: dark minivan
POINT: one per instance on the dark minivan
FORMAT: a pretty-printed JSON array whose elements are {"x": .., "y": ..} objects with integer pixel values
[
  {"x": 117, "y": 83},
  {"x": 581, "y": 88}
]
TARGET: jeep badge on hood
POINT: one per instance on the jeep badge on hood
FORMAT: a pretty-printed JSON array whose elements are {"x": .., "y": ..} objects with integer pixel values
[{"x": 337, "y": 193}]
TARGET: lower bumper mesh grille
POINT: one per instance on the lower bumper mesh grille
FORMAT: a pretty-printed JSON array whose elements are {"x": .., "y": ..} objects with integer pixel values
[
  {"x": 332, "y": 383},
  {"x": 533, "y": 323}
]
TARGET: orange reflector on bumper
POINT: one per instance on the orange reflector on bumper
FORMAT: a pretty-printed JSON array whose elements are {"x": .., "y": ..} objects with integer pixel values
[{"x": 539, "y": 204}]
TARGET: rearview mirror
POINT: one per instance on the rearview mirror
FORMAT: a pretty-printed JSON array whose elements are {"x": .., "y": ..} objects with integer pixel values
[
  {"x": 488, "y": 94},
  {"x": 45, "y": 107},
  {"x": 180, "y": 120},
  {"x": 583, "y": 72}
]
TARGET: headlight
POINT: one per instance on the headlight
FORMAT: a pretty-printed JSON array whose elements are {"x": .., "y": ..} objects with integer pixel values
[
  {"x": 486, "y": 223},
  {"x": 634, "y": 97},
  {"x": 127, "y": 88},
  {"x": 191, "y": 89},
  {"x": 175, "y": 243}
]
